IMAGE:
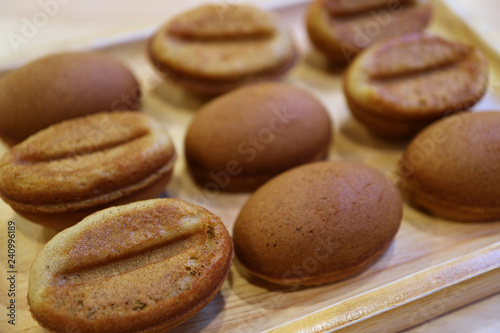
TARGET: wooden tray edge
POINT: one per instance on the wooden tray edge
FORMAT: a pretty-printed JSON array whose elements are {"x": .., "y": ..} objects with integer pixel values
[{"x": 411, "y": 300}]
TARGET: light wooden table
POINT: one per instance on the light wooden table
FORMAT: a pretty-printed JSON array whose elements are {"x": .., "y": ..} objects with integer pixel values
[{"x": 479, "y": 317}]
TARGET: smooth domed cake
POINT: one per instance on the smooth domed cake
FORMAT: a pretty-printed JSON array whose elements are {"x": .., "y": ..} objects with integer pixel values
[
  {"x": 62, "y": 86},
  {"x": 243, "y": 138},
  {"x": 317, "y": 223},
  {"x": 452, "y": 168}
]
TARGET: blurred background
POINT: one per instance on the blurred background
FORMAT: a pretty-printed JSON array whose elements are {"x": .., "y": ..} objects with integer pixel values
[{"x": 30, "y": 29}]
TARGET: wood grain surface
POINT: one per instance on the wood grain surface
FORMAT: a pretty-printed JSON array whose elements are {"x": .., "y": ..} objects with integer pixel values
[{"x": 432, "y": 267}]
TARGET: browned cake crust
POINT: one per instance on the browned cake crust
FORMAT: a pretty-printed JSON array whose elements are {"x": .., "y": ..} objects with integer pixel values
[
  {"x": 244, "y": 138},
  {"x": 452, "y": 168},
  {"x": 208, "y": 50},
  {"x": 341, "y": 29},
  {"x": 398, "y": 86},
  {"x": 63, "y": 86},
  {"x": 317, "y": 223},
  {"x": 81, "y": 165},
  {"x": 142, "y": 267}
]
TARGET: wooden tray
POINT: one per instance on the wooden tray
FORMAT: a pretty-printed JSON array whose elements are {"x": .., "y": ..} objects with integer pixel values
[{"x": 432, "y": 267}]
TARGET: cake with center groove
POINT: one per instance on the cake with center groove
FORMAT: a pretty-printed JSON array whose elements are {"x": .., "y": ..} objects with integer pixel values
[
  {"x": 74, "y": 168},
  {"x": 142, "y": 267}
]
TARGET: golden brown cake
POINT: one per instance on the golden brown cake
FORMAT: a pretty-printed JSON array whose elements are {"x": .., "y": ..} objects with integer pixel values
[
  {"x": 452, "y": 168},
  {"x": 211, "y": 49},
  {"x": 71, "y": 169},
  {"x": 242, "y": 139},
  {"x": 63, "y": 86},
  {"x": 317, "y": 223},
  {"x": 397, "y": 87},
  {"x": 341, "y": 29},
  {"x": 142, "y": 267}
]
